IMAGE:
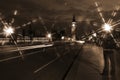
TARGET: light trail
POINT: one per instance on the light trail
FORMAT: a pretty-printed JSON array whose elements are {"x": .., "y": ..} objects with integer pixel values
[
  {"x": 29, "y": 47},
  {"x": 23, "y": 48}
]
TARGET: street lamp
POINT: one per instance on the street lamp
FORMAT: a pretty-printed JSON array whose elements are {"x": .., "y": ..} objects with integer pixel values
[
  {"x": 8, "y": 31},
  {"x": 62, "y": 37},
  {"x": 49, "y": 36},
  {"x": 107, "y": 27}
]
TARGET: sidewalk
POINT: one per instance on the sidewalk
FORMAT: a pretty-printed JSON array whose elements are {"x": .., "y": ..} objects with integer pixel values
[{"x": 89, "y": 65}]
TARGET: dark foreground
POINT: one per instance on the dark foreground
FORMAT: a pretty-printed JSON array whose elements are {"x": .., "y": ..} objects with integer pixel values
[{"x": 58, "y": 62}]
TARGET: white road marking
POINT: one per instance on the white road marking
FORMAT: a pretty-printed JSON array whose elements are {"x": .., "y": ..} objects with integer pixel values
[
  {"x": 39, "y": 69},
  {"x": 45, "y": 65}
]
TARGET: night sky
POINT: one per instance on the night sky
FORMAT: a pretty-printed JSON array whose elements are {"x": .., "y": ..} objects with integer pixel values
[
  {"x": 53, "y": 11},
  {"x": 53, "y": 8}
]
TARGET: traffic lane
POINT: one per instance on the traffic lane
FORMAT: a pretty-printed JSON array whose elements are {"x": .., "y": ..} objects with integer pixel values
[
  {"x": 16, "y": 68},
  {"x": 24, "y": 70},
  {"x": 11, "y": 52},
  {"x": 58, "y": 69},
  {"x": 18, "y": 48},
  {"x": 21, "y": 70},
  {"x": 8, "y": 55},
  {"x": 88, "y": 65},
  {"x": 12, "y": 55}
]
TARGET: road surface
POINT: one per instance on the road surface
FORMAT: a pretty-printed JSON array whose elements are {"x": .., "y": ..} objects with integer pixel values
[{"x": 65, "y": 61}]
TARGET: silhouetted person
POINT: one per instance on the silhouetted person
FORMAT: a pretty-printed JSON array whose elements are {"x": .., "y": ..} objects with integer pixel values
[{"x": 109, "y": 58}]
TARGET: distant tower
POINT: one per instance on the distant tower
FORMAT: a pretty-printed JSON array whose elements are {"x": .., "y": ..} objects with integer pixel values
[{"x": 73, "y": 28}]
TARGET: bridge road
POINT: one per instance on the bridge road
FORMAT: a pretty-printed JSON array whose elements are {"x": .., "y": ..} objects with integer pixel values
[
  {"x": 37, "y": 63},
  {"x": 56, "y": 63}
]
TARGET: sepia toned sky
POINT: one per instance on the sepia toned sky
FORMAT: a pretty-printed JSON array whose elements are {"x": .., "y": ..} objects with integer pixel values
[{"x": 51, "y": 9}]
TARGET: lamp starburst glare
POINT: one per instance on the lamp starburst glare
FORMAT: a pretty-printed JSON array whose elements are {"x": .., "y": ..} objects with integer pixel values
[
  {"x": 107, "y": 27},
  {"x": 49, "y": 35},
  {"x": 8, "y": 31}
]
